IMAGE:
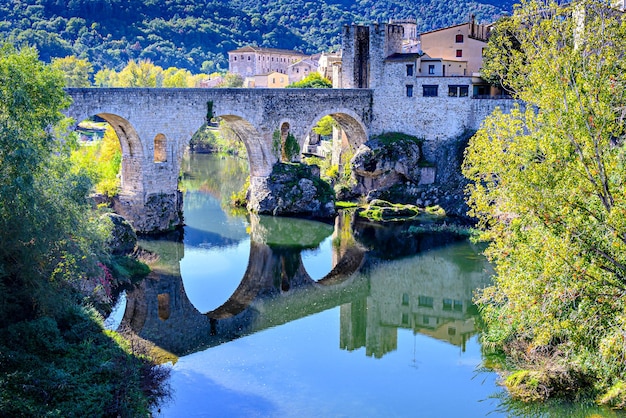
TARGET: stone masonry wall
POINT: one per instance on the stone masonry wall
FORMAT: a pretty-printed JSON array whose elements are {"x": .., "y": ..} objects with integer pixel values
[{"x": 430, "y": 118}]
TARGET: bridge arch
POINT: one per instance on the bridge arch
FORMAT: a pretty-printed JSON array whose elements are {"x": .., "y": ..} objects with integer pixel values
[
  {"x": 261, "y": 157},
  {"x": 132, "y": 152},
  {"x": 351, "y": 124}
]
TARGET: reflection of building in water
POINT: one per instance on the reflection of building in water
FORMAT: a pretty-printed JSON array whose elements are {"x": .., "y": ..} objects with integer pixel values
[{"x": 430, "y": 293}]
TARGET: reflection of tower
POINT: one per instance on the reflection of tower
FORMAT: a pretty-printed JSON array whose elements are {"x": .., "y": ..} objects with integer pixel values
[
  {"x": 342, "y": 237},
  {"x": 353, "y": 325}
]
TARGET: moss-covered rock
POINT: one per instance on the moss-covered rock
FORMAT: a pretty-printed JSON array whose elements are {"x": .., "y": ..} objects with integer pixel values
[{"x": 293, "y": 190}]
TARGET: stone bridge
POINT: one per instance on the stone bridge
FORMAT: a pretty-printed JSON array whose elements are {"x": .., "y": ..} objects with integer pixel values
[{"x": 154, "y": 127}]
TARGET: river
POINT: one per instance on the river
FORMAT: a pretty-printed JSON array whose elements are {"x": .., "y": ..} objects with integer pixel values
[{"x": 277, "y": 317}]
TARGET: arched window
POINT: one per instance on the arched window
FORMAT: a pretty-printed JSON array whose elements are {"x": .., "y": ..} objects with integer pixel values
[{"x": 160, "y": 148}]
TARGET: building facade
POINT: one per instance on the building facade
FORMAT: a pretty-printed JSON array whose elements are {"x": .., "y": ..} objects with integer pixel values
[
  {"x": 460, "y": 43},
  {"x": 250, "y": 61}
]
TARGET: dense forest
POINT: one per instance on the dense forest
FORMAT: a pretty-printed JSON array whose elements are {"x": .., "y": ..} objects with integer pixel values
[{"x": 195, "y": 35}]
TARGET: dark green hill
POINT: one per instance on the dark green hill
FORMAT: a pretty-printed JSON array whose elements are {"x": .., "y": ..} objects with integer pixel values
[{"x": 196, "y": 34}]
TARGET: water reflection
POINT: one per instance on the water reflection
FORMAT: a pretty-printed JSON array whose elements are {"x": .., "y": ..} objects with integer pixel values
[{"x": 429, "y": 293}]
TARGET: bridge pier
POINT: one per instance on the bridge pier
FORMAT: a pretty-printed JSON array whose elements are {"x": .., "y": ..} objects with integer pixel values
[{"x": 153, "y": 213}]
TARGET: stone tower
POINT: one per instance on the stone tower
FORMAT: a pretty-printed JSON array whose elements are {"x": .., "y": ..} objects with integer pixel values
[
  {"x": 363, "y": 51},
  {"x": 355, "y": 60}
]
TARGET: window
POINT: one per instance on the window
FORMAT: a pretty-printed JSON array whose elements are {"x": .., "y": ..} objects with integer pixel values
[
  {"x": 459, "y": 39},
  {"x": 452, "y": 305},
  {"x": 425, "y": 301},
  {"x": 405, "y": 299},
  {"x": 409, "y": 70},
  {"x": 430, "y": 91},
  {"x": 409, "y": 90},
  {"x": 458, "y": 91},
  {"x": 235, "y": 58},
  {"x": 459, "y": 53},
  {"x": 431, "y": 69},
  {"x": 248, "y": 57},
  {"x": 405, "y": 319}
]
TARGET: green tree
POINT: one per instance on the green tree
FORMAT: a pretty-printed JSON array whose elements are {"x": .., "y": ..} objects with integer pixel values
[
  {"x": 176, "y": 77},
  {"x": 232, "y": 80},
  {"x": 44, "y": 226},
  {"x": 106, "y": 78},
  {"x": 141, "y": 73},
  {"x": 548, "y": 189},
  {"x": 312, "y": 81},
  {"x": 325, "y": 126},
  {"x": 101, "y": 162},
  {"x": 503, "y": 54},
  {"x": 77, "y": 71},
  {"x": 50, "y": 245}
]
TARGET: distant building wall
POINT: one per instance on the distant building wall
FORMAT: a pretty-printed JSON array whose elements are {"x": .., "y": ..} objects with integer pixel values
[{"x": 250, "y": 61}]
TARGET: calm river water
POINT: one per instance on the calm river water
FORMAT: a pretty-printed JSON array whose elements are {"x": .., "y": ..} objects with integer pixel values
[{"x": 276, "y": 317}]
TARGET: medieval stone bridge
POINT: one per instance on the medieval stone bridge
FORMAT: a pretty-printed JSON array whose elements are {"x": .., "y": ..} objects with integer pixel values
[{"x": 154, "y": 127}]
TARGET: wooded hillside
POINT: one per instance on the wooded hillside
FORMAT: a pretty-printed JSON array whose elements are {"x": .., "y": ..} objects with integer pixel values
[{"x": 196, "y": 35}]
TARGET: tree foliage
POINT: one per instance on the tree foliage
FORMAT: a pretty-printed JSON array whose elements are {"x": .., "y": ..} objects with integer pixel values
[
  {"x": 52, "y": 349},
  {"x": 231, "y": 80},
  {"x": 196, "y": 35},
  {"x": 41, "y": 204},
  {"x": 325, "y": 126},
  {"x": 77, "y": 71},
  {"x": 548, "y": 183},
  {"x": 144, "y": 73},
  {"x": 312, "y": 81},
  {"x": 101, "y": 162}
]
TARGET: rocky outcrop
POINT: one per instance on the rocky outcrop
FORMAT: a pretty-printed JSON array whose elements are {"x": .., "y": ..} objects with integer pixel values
[
  {"x": 292, "y": 190},
  {"x": 123, "y": 238},
  {"x": 158, "y": 213},
  {"x": 393, "y": 170},
  {"x": 385, "y": 161}
]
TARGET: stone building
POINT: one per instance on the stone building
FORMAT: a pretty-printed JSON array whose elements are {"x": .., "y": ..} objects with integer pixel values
[
  {"x": 301, "y": 69},
  {"x": 419, "y": 93},
  {"x": 250, "y": 61},
  {"x": 327, "y": 62}
]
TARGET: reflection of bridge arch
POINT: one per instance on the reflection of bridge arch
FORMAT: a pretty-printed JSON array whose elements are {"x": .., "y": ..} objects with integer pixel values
[
  {"x": 429, "y": 292},
  {"x": 273, "y": 270}
]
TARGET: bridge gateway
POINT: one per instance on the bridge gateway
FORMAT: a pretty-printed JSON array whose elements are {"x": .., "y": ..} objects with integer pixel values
[{"x": 154, "y": 127}]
